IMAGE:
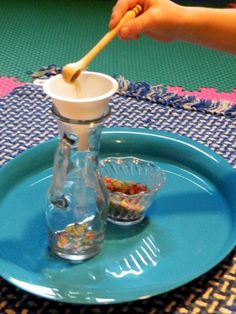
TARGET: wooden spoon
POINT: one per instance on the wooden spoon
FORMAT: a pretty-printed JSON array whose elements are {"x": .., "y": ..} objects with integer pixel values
[{"x": 71, "y": 71}]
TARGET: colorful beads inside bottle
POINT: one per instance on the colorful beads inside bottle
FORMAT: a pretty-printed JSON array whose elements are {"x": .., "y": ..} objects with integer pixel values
[{"x": 75, "y": 236}]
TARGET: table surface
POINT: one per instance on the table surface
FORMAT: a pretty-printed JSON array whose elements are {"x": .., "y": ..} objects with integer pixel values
[
  {"x": 38, "y": 33},
  {"x": 57, "y": 32}
]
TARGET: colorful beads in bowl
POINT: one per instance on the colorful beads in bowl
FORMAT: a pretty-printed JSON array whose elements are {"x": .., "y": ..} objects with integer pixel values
[{"x": 132, "y": 184}]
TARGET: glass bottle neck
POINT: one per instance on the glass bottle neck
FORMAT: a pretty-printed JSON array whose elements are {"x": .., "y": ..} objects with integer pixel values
[
  {"x": 83, "y": 138},
  {"x": 81, "y": 135}
]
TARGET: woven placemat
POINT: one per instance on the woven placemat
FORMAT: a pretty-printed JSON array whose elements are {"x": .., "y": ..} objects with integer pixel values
[{"x": 27, "y": 120}]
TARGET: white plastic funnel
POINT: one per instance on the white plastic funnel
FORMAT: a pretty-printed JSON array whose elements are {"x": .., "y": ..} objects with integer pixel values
[{"x": 86, "y": 99}]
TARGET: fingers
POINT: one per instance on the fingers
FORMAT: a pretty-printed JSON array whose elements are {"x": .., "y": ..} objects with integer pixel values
[
  {"x": 152, "y": 21},
  {"x": 158, "y": 37},
  {"x": 121, "y": 7},
  {"x": 125, "y": 33},
  {"x": 132, "y": 28}
]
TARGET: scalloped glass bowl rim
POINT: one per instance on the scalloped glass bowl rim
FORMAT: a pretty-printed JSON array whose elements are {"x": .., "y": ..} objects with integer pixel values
[{"x": 153, "y": 191}]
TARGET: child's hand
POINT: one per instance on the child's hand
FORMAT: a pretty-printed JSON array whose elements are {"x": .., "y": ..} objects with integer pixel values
[{"x": 158, "y": 19}]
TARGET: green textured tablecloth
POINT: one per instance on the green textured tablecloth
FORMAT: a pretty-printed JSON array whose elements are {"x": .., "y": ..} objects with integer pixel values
[{"x": 36, "y": 33}]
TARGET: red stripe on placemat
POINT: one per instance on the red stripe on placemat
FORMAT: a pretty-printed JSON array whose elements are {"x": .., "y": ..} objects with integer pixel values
[
  {"x": 7, "y": 84},
  {"x": 205, "y": 93}
]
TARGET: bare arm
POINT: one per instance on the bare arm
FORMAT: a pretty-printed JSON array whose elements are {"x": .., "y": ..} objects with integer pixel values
[
  {"x": 213, "y": 28},
  {"x": 165, "y": 20}
]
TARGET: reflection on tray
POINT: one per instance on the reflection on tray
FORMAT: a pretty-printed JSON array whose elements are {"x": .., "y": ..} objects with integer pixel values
[{"x": 144, "y": 255}]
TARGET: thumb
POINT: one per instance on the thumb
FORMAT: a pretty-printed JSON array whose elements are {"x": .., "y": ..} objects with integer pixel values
[{"x": 134, "y": 27}]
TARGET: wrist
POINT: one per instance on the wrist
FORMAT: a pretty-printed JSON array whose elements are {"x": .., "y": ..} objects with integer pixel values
[
  {"x": 181, "y": 23},
  {"x": 194, "y": 23},
  {"x": 186, "y": 23}
]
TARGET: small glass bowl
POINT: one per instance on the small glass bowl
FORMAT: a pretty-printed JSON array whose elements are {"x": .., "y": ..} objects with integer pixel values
[{"x": 129, "y": 209}]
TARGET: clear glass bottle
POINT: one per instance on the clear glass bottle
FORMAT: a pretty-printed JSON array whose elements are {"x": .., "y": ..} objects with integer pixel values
[{"x": 77, "y": 200}]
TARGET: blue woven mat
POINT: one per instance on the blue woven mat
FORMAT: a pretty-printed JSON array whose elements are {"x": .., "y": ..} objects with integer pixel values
[{"x": 26, "y": 120}]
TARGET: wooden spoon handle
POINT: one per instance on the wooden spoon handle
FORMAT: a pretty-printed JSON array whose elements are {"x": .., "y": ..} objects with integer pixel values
[{"x": 109, "y": 36}]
